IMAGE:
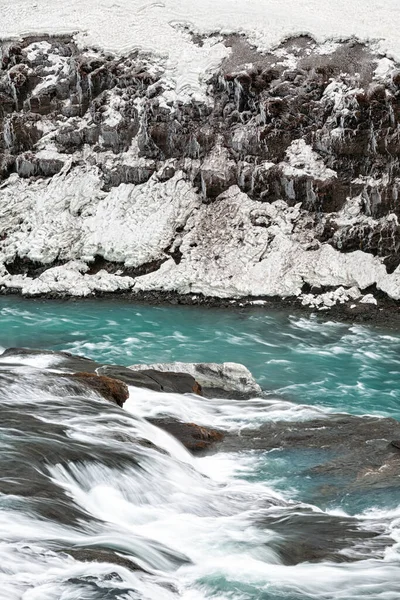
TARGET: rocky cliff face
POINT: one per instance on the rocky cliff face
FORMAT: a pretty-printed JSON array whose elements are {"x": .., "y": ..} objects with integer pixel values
[{"x": 281, "y": 180}]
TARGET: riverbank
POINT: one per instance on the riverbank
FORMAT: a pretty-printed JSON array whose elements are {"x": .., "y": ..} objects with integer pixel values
[{"x": 384, "y": 313}]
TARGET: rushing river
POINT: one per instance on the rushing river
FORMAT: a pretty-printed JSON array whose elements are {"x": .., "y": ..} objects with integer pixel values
[{"x": 88, "y": 490}]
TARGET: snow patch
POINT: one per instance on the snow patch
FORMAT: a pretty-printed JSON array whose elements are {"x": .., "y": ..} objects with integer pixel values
[{"x": 163, "y": 28}]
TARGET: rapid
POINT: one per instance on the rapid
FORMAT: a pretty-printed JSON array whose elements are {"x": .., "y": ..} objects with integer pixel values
[{"x": 96, "y": 502}]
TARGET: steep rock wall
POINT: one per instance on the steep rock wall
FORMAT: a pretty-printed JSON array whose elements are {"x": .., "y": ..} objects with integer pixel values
[{"x": 282, "y": 179}]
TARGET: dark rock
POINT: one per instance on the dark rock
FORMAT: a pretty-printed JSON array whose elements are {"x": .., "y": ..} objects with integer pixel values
[
  {"x": 103, "y": 555},
  {"x": 111, "y": 389},
  {"x": 178, "y": 383},
  {"x": 194, "y": 437},
  {"x": 358, "y": 450},
  {"x": 328, "y": 538}
]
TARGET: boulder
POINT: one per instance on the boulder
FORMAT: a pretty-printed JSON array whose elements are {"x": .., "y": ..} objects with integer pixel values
[
  {"x": 216, "y": 380},
  {"x": 153, "y": 379},
  {"x": 111, "y": 389}
]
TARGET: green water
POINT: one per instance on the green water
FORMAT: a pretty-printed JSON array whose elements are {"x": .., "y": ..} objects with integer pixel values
[{"x": 305, "y": 359}]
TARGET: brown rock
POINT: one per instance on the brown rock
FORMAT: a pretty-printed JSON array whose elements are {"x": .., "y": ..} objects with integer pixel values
[
  {"x": 111, "y": 389},
  {"x": 194, "y": 437}
]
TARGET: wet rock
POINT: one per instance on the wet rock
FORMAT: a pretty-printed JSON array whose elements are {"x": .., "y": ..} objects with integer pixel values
[
  {"x": 357, "y": 453},
  {"x": 65, "y": 360},
  {"x": 216, "y": 380},
  {"x": 111, "y": 389},
  {"x": 194, "y": 437},
  {"x": 157, "y": 380},
  {"x": 102, "y": 555},
  {"x": 329, "y": 538}
]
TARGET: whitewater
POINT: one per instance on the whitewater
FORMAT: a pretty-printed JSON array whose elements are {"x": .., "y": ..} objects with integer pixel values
[{"x": 98, "y": 502}]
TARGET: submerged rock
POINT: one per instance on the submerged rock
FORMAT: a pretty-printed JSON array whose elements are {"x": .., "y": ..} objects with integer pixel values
[
  {"x": 306, "y": 536},
  {"x": 194, "y": 437},
  {"x": 102, "y": 555},
  {"x": 39, "y": 357},
  {"x": 356, "y": 453}
]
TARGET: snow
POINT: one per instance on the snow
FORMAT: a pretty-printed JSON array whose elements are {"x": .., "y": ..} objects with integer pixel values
[
  {"x": 238, "y": 247},
  {"x": 232, "y": 248},
  {"x": 304, "y": 161},
  {"x": 329, "y": 299},
  {"x": 69, "y": 218},
  {"x": 369, "y": 299},
  {"x": 70, "y": 279},
  {"x": 163, "y": 28}
]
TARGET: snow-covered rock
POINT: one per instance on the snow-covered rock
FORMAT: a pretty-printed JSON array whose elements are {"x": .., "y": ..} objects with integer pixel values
[
  {"x": 237, "y": 247},
  {"x": 70, "y": 279},
  {"x": 224, "y": 171},
  {"x": 70, "y": 217}
]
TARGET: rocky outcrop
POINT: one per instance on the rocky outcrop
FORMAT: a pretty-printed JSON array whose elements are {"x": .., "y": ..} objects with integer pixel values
[
  {"x": 216, "y": 380},
  {"x": 111, "y": 389},
  {"x": 282, "y": 179},
  {"x": 152, "y": 378},
  {"x": 225, "y": 380}
]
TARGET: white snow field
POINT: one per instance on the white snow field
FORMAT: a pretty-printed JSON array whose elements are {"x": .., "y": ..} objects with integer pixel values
[{"x": 162, "y": 26}]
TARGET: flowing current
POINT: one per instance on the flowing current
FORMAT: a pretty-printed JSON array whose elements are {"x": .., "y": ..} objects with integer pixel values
[{"x": 98, "y": 503}]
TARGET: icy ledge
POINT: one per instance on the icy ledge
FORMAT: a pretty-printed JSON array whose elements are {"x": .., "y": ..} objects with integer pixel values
[{"x": 232, "y": 248}]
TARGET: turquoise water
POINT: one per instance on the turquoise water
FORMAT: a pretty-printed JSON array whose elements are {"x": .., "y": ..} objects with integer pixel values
[
  {"x": 347, "y": 367},
  {"x": 238, "y": 517}
]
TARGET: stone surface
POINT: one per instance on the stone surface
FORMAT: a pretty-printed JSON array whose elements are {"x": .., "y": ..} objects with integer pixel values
[
  {"x": 154, "y": 379},
  {"x": 215, "y": 379},
  {"x": 111, "y": 389}
]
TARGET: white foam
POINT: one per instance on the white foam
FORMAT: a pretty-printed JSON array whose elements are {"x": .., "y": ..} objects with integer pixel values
[{"x": 219, "y": 413}]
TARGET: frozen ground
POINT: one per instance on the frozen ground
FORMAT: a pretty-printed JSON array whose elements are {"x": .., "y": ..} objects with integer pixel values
[
  {"x": 163, "y": 27},
  {"x": 206, "y": 163}
]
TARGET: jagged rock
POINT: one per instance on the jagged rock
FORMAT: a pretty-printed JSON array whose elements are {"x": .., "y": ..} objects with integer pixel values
[
  {"x": 298, "y": 124},
  {"x": 218, "y": 172},
  {"x": 29, "y": 165}
]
